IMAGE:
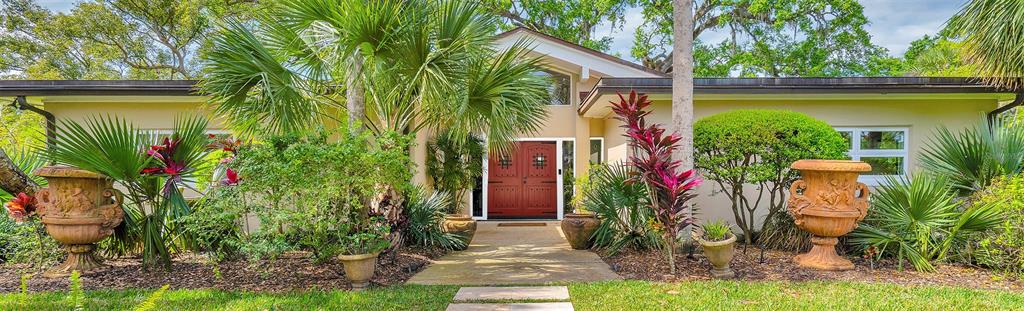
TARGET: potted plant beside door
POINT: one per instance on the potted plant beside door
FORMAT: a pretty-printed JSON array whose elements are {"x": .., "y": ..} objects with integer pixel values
[
  {"x": 454, "y": 166},
  {"x": 579, "y": 226},
  {"x": 719, "y": 244}
]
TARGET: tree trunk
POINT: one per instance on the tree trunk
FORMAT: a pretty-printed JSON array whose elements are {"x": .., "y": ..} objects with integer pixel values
[
  {"x": 354, "y": 101},
  {"x": 682, "y": 80},
  {"x": 12, "y": 179}
]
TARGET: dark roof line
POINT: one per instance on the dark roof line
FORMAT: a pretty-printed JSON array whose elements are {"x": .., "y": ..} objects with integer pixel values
[
  {"x": 98, "y": 87},
  {"x": 587, "y": 50}
]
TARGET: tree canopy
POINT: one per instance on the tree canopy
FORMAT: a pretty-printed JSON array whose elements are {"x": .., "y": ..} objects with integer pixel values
[
  {"x": 767, "y": 38},
  {"x": 572, "y": 20}
]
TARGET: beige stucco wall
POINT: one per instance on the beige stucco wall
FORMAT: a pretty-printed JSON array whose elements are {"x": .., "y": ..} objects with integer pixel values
[
  {"x": 921, "y": 116},
  {"x": 144, "y": 114}
]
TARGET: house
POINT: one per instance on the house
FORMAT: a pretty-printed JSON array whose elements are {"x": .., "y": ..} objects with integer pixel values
[{"x": 899, "y": 113}]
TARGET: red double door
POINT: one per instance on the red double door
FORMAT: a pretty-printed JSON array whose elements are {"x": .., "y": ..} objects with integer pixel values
[{"x": 525, "y": 183}]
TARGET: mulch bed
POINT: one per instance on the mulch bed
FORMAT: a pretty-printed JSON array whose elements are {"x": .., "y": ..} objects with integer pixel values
[
  {"x": 288, "y": 273},
  {"x": 779, "y": 266}
]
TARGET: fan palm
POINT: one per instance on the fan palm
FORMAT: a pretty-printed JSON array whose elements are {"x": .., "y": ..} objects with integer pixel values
[
  {"x": 426, "y": 212},
  {"x": 421, "y": 64},
  {"x": 152, "y": 176},
  {"x": 919, "y": 220},
  {"x": 993, "y": 39},
  {"x": 26, "y": 160},
  {"x": 623, "y": 208},
  {"x": 973, "y": 157}
]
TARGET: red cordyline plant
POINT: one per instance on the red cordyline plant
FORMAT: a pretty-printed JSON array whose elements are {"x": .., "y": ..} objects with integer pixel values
[
  {"x": 670, "y": 188},
  {"x": 21, "y": 207}
]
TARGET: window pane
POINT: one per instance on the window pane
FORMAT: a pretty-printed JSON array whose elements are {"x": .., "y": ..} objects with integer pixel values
[
  {"x": 881, "y": 140},
  {"x": 884, "y": 165},
  {"x": 848, "y": 136},
  {"x": 558, "y": 88},
  {"x": 596, "y": 145}
]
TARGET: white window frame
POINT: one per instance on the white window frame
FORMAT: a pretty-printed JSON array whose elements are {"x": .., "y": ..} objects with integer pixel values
[
  {"x": 604, "y": 157},
  {"x": 856, "y": 153}
]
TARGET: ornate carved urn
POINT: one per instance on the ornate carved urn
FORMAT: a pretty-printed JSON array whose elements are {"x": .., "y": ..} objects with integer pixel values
[
  {"x": 827, "y": 202},
  {"x": 578, "y": 228},
  {"x": 79, "y": 208}
]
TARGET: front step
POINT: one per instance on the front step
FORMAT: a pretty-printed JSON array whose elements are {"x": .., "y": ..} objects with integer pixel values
[
  {"x": 535, "y": 306},
  {"x": 513, "y": 293},
  {"x": 475, "y": 298}
]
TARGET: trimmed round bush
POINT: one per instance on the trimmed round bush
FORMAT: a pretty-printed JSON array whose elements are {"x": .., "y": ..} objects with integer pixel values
[{"x": 754, "y": 148}]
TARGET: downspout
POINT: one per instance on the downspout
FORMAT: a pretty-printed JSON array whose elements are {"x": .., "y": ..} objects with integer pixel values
[
  {"x": 51, "y": 122},
  {"x": 1017, "y": 101}
]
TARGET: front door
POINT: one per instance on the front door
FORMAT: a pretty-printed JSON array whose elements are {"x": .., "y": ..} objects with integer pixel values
[{"x": 525, "y": 183}]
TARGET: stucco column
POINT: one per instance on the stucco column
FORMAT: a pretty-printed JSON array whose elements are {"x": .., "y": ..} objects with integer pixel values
[{"x": 582, "y": 146}]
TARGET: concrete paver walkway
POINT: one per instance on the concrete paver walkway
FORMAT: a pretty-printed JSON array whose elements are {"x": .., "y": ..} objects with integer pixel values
[
  {"x": 525, "y": 298},
  {"x": 516, "y": 255}
]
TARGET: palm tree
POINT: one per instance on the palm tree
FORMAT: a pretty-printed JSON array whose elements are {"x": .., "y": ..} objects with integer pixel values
[
  {"x": 993, "y": 38},
  {"x": 682, "y": 80},
  {"x": 410, "y": 64},
  {"x": 419, "y": 64}
]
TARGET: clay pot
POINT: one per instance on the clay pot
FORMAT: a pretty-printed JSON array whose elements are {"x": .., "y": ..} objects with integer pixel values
[
  {"x": 827, "y": 202},
  {"x": 719, "y": 253},
  {"x": 78, "y": 208},
  {"x": 359, "y": 269},
  {"x": 578, "y": 228},
  {"x": 461, "y": 225}
]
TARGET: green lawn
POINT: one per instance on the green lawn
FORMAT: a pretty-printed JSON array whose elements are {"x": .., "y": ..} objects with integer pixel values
[{"x": 619, "y": 295}]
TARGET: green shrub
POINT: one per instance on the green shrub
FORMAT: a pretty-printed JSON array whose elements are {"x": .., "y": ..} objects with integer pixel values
[
  {"x": 309, "y": 193},
  {"x": 27, "y": 243},
  {"x": 623, "y": 208},
  {"x": 214, "y": 226},
  {"x": 426, "y": 213},
  {"x": 921, "y": 221},
  {"x": 1003, "y": 248},
  {"x": 754, "y": 148}
]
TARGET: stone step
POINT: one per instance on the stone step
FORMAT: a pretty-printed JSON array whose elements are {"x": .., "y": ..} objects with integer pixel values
[
  {"x": 536, "y": 306},
  {"x": 513, "y": 293}
]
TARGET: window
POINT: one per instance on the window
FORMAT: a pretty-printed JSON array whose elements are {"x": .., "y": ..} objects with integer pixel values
[
  {"x": 884, "y": 148},
  {"x": 597, "y": 150},
  {"x": 558, "y": 88}
]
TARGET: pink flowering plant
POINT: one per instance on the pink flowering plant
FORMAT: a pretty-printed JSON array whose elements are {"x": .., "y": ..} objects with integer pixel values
[{"x": 671, "y": 188}]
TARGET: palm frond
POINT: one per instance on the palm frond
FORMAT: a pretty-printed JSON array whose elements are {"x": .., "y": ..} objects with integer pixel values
[{"x": 993, "y": 39}]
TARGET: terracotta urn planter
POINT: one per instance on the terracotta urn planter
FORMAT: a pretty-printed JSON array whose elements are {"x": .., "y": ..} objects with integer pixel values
[
  {"x": 78, "y": 208},
  {"x": 719, "y": 253},
  {"x": 578, "y": 228},
  {"x": 359, "y": 269},
  {"x": 827, "y": 202},
  {"x": 462, "y": 225}
]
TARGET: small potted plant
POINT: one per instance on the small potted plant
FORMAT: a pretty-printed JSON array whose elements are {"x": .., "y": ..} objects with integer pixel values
[
  {"x": 719, "y": 243},
  {"x": 360, "y": 248}
]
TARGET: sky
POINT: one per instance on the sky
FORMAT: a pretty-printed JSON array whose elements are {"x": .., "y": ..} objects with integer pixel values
[{"x": 894, "y": 23}]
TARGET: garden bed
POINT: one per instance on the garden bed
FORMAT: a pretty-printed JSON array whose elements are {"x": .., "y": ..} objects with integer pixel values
[
  {"x": 189, "y": 271},
  {"x": 779, "y": 266}
]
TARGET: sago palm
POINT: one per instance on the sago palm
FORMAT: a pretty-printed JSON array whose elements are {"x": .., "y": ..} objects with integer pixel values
[{"x": 421, "y": 64}]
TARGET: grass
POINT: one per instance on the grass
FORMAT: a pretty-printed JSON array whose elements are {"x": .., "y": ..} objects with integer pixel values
[{"x": 615, "y": 295}]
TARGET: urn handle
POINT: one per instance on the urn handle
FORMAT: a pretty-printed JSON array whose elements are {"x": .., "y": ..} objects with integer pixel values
[
  {"x": 112, "y": 213},
  {"x": 797, "y": 201},
  {"x": 861, "y": 201}
]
